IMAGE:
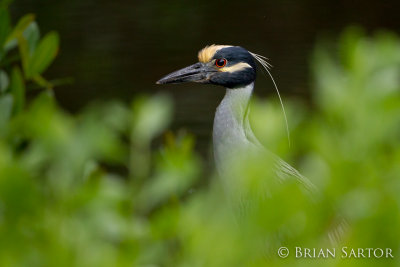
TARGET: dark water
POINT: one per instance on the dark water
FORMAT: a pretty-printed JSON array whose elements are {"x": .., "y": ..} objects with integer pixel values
[{"x": 118, "y": 49}]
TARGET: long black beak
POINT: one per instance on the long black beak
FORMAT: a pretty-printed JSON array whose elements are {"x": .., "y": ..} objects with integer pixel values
[{"x": 198, "y": 72}]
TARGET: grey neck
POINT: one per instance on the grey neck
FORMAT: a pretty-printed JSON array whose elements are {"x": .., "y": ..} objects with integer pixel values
[{"x": 231, "y": 127}]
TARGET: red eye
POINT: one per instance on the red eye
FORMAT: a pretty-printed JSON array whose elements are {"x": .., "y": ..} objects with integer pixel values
[{"x": 220, "y": 62}]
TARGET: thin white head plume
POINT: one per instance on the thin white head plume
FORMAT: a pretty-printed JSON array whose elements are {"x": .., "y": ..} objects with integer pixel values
[{"x": 266, "y": 65}]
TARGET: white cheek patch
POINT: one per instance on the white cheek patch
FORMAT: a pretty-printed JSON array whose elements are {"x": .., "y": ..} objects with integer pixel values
[{"x": 237, "y": 67}]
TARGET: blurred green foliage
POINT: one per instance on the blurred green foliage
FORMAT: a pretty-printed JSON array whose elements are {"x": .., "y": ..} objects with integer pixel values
[{"x": 88, "y": 190}]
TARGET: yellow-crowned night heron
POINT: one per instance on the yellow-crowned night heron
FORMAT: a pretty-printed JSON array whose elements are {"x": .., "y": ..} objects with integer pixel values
[{"x": 234, "y": 68}]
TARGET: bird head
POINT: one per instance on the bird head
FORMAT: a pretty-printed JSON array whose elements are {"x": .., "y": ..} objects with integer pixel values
[{"x": 228, "y": 66}]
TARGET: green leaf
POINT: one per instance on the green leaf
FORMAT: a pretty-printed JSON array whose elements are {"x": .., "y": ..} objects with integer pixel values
[
  {"x": 6, "y": 104},
  {"x": 4, "y": 81},
  {"x": 18, "y": 31},
  {"x": 32, "y": 36},
  {"x": 24, "y": 52},
  {"x": 4, "y": 25},
  {"x": 17, "y": 89},
  {"x": 27, "y": 42},
  {"x": 44, "y": 54},
  {"x": 349, "y": 44},
  {"x": 42, "y": 82},
  {"x": 151, "y": 117}
]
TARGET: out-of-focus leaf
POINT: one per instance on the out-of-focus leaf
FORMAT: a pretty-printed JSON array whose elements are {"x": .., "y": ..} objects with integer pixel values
[
  {"x": 4, "y": 81},
  {"x": 151, "y": 117},
  {"x": 44, "y": 54},
  {"x": 17, "y": 89},
  {"x": 4, "y": 25},
  {"x": 348, "y": 46},
  {"x": 42, "y": 82},
  {"x": 268, "y": 122},
  {"x": 24, "y": 52},
  {"x": 6, "y": 104},
  {"x": 32, "y": 35},
  {"x": 4, "y": 29},
  {"x": 177, "y": 168},
  {"x": 18, "y": 31}
]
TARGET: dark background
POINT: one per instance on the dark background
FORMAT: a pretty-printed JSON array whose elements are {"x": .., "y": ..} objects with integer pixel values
[{"x": 118, "y": 49}]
